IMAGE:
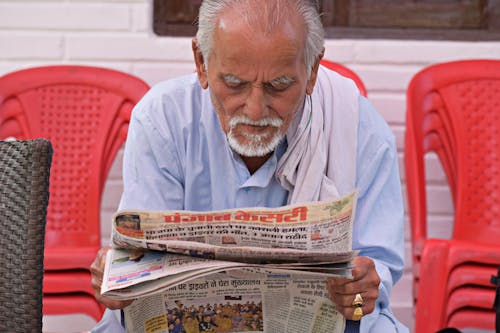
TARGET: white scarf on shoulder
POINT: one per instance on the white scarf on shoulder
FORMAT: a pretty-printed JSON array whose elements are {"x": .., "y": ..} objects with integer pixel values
[{"x": 320, "y": 161}]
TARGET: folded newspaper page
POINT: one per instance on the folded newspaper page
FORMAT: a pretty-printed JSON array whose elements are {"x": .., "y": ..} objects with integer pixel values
[
  {"x": 188, "y": 258},
  {"x": 132, "y": 274},
  {"x": 223, "y": 302},
  {"x": 312, "y": 232}
]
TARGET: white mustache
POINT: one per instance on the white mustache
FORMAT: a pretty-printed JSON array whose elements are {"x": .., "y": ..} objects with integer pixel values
[{"x": 244, "y": 120}]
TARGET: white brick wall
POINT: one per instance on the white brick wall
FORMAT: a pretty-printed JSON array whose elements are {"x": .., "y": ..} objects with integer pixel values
[{"x": 117, "y": 34}]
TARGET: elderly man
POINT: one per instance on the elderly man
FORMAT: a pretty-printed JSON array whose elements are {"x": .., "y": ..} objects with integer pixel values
[{"x": 263, "y": 124}]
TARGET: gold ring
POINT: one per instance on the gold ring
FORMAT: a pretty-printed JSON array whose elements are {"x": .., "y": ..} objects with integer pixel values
[
  {"x": 358, "y": 301},
  {"x": 358, "y": 313}
]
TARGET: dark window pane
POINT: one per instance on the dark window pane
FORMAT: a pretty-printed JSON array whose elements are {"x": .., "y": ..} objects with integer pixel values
[
  {"x": 456, "y": 14},
  {"x": 175, "y": 17}
]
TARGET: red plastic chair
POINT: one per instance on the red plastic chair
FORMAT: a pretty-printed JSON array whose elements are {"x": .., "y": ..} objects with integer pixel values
[
  {"x": 84, "y": 111},
  {"x": 71, "y": 303},
  {"x": 453, "y": 112},
  {"x": 464, "y": 317},
  {"x": 343, "y": 70}
]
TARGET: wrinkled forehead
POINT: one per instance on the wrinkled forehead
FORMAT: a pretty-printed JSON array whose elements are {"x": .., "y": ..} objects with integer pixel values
[
  {"x": 236, "y": 43},
  {"x": 261, "y": 16}
]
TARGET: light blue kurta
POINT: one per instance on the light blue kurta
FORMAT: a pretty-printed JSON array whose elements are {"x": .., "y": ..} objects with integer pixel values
[{"x": 177, "y": 157}]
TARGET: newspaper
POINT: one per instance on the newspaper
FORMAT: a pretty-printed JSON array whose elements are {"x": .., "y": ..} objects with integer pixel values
[
  {"x": 265, "y": 255},
  {"x": 274, "y": 303},
  {"x": 132, "y": 275}
]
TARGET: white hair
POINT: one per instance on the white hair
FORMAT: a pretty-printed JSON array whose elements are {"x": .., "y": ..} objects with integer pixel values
[{"x": 272, "y": 12}]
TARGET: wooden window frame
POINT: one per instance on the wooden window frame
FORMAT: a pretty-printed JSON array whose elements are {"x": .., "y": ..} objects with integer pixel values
[{"x": 477, "y": 20}]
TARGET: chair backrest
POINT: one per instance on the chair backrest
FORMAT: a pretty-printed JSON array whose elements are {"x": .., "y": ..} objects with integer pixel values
[
  {"x": 84, "y": 111},
  {"x": 347, "y": 72},
  {"x": 453, "y": 110},
  {"x": 24, "y": 195}
]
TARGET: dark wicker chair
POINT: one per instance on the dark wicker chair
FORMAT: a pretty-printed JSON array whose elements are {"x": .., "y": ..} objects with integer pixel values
[{"x": 24, "y": 194}]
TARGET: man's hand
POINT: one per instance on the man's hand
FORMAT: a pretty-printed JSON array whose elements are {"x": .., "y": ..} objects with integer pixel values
[
  {"x": 365, "y": 282},
  {"x": 97, "y": 270}
]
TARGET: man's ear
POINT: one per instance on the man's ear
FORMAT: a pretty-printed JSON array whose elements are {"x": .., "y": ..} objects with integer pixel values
[
  {"x": 314, "y": 74},
  {"x": 201, "y": 68}
]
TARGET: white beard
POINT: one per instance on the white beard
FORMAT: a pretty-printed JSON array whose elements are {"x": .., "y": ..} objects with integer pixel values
[{"x": 256, "y": 145}]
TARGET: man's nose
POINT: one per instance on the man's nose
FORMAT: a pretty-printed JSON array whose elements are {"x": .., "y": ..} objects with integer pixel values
[{"x": 256, "y": 103}]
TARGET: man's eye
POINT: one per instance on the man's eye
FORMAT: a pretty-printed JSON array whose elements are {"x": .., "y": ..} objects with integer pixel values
[
  {"x": 277, "y": 87},
  {"x": 234, "y": 84}
]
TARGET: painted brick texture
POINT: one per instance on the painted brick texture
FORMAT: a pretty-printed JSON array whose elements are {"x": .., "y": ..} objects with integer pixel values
[{"x": 117, "y": 34}]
